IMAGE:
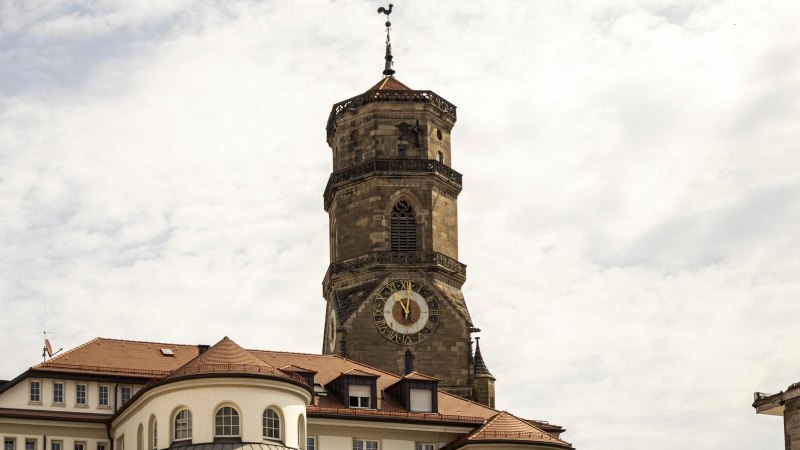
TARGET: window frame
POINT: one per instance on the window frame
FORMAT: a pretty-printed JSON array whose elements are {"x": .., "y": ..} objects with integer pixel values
[
  {"x": 402, "y": 150},
  {"x": 85, "y": 402},
  {"x": 403, "y": 233},
  {"x": 122, "y": 389},
  {"x": 233, "y": 427},
  {"x": 265, "y": 428},
  {"x": 102, "y": 445},
  {"x": 38, "y": 400},
  {"x": 364, "y": 444},
  {"x": 312, "y": 440},
  {"x": 57, "y": 442},
  {"x": 13, "y": 442},
  {"x": 424, "y": 446},
  {"x": 81, "y": 444},
  {"x": 33, "y": 441},
  {"x": 359, "y": 398},
  {"x": 100, "y": 403},
  {"x": 63, "y": 392},
  {"x": 187, "y": 428}
]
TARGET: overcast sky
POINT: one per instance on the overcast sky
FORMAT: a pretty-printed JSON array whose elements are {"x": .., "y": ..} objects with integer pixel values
[{"x": 630, "y": 214}]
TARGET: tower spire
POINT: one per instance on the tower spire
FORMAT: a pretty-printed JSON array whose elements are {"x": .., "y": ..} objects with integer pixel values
[{"x": 387, "y": 70}]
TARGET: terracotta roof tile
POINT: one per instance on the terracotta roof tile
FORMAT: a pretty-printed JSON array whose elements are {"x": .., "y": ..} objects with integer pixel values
[
  {"x": 294, "y": 368},
  {"x": 227, "y": 356},
  {"x": 113, "y": 356},
  {"x": 506, "y": 427},
  {"x": 144, "y": 359},
  {"x": 390, "y": 84}
]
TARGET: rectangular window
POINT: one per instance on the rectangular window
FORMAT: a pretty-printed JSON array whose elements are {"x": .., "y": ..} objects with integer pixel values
[
  {"x": 102, "y": 395},
  {"x": 359, "y": 156},
  {"x": 80, "y": 394},
  {"x": 360, "y": 395},
  {"x": 421, "y": 400},
  {"x": 401, "y": 150},
  {"x": 30, "y": 444},
  {"x": 55, "y": 445},
  {"x": 80, "y": 446},
  {"x": 311, "y": 443},
  {"x": 9, "y": 444},
  {"x": 125, "y": 394},
  {"x": 58, "y": 392},
  {"x": 441, "y": 157},
  {"x": 360, "y": 444},
  {"x": 424, "y": 447},
  {"x": 35, "y": 391},
  {"x": 101, "y": 446}
]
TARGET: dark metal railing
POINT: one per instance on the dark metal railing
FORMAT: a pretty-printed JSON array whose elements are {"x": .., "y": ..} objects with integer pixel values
[
  {"x": 397, "y": 166},
  {"x": 388, "y": 97}
]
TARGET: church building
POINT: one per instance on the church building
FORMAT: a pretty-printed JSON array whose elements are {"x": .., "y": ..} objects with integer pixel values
[{"x": 400, "y": 367}]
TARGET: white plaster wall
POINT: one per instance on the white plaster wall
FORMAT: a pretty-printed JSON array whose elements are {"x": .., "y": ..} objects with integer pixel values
[
  {"x": 392, "y": 444},
  {"x": 203, "y": 397},
  {"x": 334, "y": 443},
  {"x": 18, "y": 395}
]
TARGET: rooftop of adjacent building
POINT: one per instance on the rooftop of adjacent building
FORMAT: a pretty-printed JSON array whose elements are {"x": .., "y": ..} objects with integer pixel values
[{"x": 155, "y": 363}]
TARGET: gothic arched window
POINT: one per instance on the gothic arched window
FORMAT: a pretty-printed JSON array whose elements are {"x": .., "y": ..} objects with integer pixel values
[{"x": 403, "y": 228}]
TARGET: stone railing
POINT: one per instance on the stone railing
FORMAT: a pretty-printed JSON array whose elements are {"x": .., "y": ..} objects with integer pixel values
[
  {"x": 388, "y": 97},
  {"x": 400, "y": 166},
  {"x": 422, "y": 260}
]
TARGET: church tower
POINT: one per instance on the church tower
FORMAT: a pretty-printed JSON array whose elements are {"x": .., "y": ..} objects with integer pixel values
[{"x": 393, "y": 287}]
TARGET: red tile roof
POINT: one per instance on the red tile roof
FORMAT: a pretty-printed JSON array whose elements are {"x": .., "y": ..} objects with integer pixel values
[
  {"x": 227, "y": 357},
  {"x": 102, "y": 356},
  {"x": 389, "y": 84},
  {"x": 508, "y": 428},
  {"x": 118, "y": 357}
]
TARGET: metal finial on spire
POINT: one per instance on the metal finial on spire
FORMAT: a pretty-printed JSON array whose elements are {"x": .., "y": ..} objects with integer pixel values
[{"x": 388, "y": 71}]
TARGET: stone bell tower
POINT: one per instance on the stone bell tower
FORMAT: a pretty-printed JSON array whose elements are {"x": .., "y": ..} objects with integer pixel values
[{"x": 393, "y": 287}]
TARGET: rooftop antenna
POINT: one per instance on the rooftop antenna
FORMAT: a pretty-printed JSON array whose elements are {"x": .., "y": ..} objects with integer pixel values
[
  {"x": 388, "y": 71},
  {"x": 47, "y": 348}
]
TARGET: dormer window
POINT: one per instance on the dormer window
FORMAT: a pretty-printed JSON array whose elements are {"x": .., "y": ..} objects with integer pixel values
[
  {"x": 359, "y": 396},
  {"x": 420, "y": 400},
  {"x": 416, "y": 392},
  {"x": 355, "y": 389}
]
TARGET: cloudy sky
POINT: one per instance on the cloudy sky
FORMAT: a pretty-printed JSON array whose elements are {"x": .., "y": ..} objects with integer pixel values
[{"x": 630, "y": 214}]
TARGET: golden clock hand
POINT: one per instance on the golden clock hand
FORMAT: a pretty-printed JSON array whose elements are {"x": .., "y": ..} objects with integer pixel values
[{"x": 399, "y": 300}]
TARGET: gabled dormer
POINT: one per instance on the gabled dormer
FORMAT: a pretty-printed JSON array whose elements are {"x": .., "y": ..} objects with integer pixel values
[
  {"x": 355, "y": 389},
  {"x": 306, "y": 374},
  {"x": 416, "y": 392}
]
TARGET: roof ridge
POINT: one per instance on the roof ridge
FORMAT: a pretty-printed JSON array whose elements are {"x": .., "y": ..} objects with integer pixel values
[{"x": 134, "y": 341}]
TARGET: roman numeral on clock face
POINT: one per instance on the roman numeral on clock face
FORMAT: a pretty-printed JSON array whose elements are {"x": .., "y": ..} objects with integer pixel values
[{"x": 405, "y": 312}]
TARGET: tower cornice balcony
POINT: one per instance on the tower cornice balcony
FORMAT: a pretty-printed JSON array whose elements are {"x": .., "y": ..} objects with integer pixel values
[
  {"x": 388, "y": 96},
  {"x": 396, "y": 261},
  {"x": 384, "y": 167}
]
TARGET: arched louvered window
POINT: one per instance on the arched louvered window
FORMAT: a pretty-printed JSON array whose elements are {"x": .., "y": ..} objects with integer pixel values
[{"x": 404, "y": 228}]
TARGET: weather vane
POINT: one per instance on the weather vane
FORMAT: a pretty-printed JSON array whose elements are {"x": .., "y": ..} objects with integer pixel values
[{"x": 388, "y": 71}]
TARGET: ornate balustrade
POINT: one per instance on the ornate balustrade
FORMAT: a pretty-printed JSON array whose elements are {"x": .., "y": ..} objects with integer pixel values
[
  {"x": 416, "y": 260},
  {"x": 389, "y": 97},
  {"x": 386, "y": 167}
]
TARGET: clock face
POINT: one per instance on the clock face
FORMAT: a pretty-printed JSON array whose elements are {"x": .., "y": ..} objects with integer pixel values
[
  {"x": 330, "y": 331},
  {"x": 405, "y": 312}
]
